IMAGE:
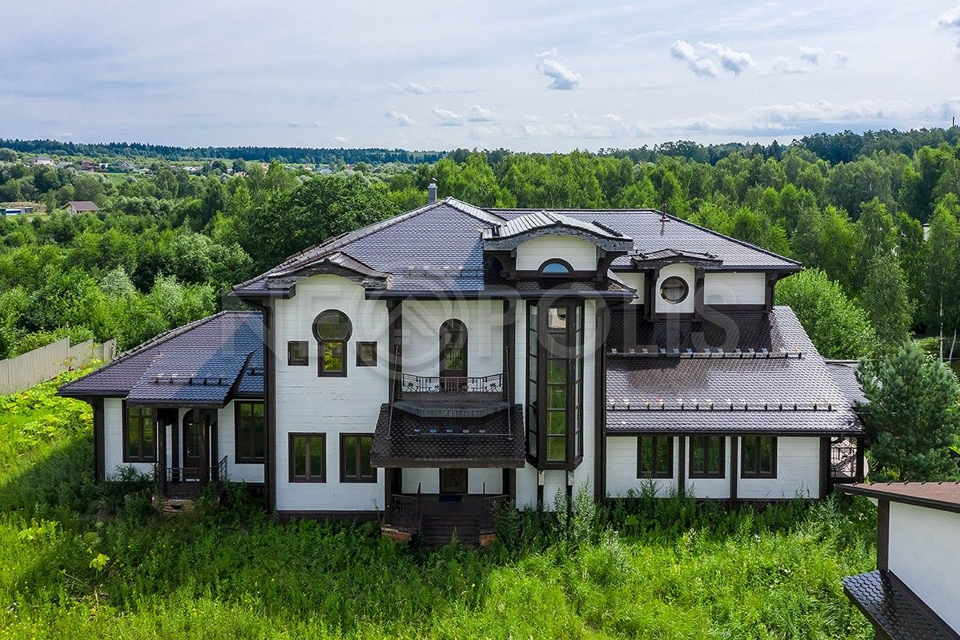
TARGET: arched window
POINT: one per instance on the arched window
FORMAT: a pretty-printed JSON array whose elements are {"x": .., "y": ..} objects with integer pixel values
[
  {"x": 674, "y": 290},
  {"x": 556, "y": 267},
  {"x": 453, "y": 354},
  {"x": 332, "y": 329}
]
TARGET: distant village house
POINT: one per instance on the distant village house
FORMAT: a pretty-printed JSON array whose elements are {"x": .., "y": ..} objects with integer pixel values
[{"x": 80, "y": 206}]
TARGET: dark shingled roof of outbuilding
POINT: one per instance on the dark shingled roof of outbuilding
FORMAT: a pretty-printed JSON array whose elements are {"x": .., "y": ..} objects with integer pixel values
[
  {"x": 894, "y": 608},
  {"x": 222, "y": 346},
  {"x": 777, "y": 392}
]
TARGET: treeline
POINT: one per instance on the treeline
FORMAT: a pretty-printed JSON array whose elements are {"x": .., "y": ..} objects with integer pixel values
[
  {"x": 170, "y": 235},
  {"x": 296, "y": 155}
]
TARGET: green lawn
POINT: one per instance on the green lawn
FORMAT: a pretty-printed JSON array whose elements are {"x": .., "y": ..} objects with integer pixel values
[{"x": 78, "y": 561}]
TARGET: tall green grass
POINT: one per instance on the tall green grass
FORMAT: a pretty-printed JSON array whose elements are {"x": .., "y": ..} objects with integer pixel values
[{"x": 81, "y": 561}]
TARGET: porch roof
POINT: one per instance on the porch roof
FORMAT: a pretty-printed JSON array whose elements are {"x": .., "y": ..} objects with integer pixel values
[{"x": 404, "y": 440}]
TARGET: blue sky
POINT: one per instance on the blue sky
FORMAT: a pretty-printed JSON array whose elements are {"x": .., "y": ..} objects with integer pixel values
[{"x": 533, "y": 75}]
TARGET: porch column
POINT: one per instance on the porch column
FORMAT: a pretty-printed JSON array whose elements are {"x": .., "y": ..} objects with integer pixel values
[
  {"x": 394, "y": 348},
  {"x": 682, "y": 467},
  {"x": 734, "y": 440},
  {"x": 860, "y": 470},
  {"x": 160, "y": 428}
]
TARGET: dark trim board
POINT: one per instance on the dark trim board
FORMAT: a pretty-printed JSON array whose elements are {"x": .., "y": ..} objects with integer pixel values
[
  {"x": 356, "y": 516},
  {"x": 866, "y": 490}
]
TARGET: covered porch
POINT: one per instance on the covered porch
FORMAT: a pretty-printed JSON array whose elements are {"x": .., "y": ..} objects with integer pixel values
[{"x": 188, "y": 456}]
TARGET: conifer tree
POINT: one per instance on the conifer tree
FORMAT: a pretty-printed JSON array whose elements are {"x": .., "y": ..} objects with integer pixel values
[{"x": 886, "y": 300}]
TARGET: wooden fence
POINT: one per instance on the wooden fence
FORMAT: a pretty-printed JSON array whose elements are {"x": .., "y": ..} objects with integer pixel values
[{"x": 45, "y": 363}]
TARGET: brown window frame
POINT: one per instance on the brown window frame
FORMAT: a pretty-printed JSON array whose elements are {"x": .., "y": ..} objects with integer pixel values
[
  {"x": 241, "y": 456},
  {"x": 706, "y": 474},
  {"x": 323, "y": 343},
  {"x": 655, "y": 474},
  {"x": 758, "y": 475},
  {"x": 672, "y": 279},
  {"x": 359, "y": 479},
  {"x": 140, "y": 409},
  {"x": 309, "y": 477},
  {"x": 365, "y": 361},
  {"x": 292, "y": 359}
]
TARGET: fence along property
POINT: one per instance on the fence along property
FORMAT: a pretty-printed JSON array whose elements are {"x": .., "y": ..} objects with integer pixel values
[{"x": 45, "y": 363}]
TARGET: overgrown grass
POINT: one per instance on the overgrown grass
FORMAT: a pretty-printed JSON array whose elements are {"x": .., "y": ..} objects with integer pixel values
[{"x": 80, "y": 561}]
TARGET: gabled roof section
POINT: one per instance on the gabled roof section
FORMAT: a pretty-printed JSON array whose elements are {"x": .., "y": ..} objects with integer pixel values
[
  {"x": 542, "y": 223},
  {"x": 205, "y": 349},
  {"x": 669, "y": 256}
]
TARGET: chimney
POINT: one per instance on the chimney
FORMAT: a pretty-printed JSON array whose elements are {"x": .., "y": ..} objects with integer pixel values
[{"x": 432, "y": 192}]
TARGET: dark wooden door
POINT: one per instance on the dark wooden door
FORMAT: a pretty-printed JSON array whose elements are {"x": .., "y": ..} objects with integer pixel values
[
  {"x": 453, "y": 481},
  {"x": 194, "y": 445},
  {"x": 453, "y": 356}
]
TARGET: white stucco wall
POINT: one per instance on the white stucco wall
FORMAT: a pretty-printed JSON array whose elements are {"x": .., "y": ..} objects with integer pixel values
[
  {"x": 580, "y": 253},
  {"x": 734, "y": 288},
  {"x": 798, "y": 472},
  {"x": 421, "y": 335},
  {"x": 479, "y": 481},
  {"x": 307, "y": 403},
  {"x": 621, "y": 471},
  {"x": 716, "y": 488},
  {"x": 685, "y": 271},
  {"x": 634, "y": 280},
  {"x": 923, "y": 553},
  {"x": 113, "y": 440}
]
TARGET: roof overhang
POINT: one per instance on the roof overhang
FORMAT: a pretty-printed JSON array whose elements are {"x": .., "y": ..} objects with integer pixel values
[{"x": 539, "y": 224}]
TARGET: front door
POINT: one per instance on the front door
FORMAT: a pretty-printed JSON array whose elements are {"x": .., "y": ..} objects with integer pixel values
[
  {"x": 453, "y": 481},
  {"x": 194, "y": 445},
  {"x": 453, "y": 356}
]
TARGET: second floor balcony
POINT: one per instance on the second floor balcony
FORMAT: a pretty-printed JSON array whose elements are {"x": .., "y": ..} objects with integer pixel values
[{"x": 451, "y": 396}]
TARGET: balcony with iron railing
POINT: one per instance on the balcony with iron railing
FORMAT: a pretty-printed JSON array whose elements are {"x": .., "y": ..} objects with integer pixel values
[{"x": 187, "y": 482}]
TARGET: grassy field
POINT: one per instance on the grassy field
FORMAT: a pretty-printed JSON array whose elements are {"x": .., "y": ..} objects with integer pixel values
[{"x": 79, "y": 561}]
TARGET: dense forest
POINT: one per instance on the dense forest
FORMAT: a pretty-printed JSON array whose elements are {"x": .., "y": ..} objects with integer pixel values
[{"x": 167, "y": 244}]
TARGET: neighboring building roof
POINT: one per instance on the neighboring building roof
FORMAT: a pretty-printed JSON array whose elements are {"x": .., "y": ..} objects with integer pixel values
[
  {"x": 81, "y": 205},
  {"x": 944, "y": 496},
  {"x": 894, "y": 608},
  {"x": 844, "y": 372},
  {"x": 440, "y": 247},
  {"x": 785, "y": 390},
  {"x": 406, "y": 440},
  {"x": 181, "y": 365}
]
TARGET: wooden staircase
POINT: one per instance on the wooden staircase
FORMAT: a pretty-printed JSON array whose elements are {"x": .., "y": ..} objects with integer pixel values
[{"x": 440, "y": 528}]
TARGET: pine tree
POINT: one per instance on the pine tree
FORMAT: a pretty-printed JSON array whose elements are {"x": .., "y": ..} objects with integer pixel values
[{"x": 913, "y": 416}]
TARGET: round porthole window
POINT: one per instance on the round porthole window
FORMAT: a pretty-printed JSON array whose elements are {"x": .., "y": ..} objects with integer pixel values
[
  {"x": 674, "y": 290},
  {"x": 332, "y": 325}
]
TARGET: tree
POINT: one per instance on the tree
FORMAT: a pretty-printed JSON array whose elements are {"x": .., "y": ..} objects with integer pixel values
[
  {"x": 835, "y": 324},
  {"x": 943, "y": 270},
  {"x": 912, "y": 417},
  {"x": 886, "y": 301}
]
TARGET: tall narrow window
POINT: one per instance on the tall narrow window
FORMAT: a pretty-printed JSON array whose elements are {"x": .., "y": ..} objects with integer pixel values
[
  {"x": 759, "y": 459},
  {"x": 140, "y": 435},
  {"x": 533, "y": 371},
  {"x": 355, "y": 458},
  {"x": 308, "y": 457},
  {"x": 332, "y": 329},
  {"x": 707, "y": 457},
  {"x": 654, "y": 457},
  {"x": 251, "y": 426},
  {"x": 453, "y": 354}
]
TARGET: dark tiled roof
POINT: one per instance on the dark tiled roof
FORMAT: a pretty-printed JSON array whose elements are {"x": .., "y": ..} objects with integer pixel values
[
  {"x": 844, "y": 373},
  {"x": 892, "y": 607},
  {"x": 189, "y": 380},
  {"x": 413, "y": 441},
  {"x": 728, "y": 331},
  {"x": 440, "y": 247},
  {"x": 81, "y": 205},
  {"x": 776, "y": 392},
  {"x": 201, "y": 347},
  {"x": 935, "y": 495}
]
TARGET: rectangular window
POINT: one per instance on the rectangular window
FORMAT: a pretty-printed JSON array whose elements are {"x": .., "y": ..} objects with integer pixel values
[
  {"x": 655, "y": 457},
  {"x": 707, "y": 456},
  {"x": 139, "y": 435},
  {"x": 298, "y": 353},
  {"x": 759, "y": 458},
  {"x": 333, "y": 359},
  {"x": 308, "y": 457},
  {"x": 366, "y": 354},
  {"x": 251, "y": 427},
  {"x": 355, "y": 458}
]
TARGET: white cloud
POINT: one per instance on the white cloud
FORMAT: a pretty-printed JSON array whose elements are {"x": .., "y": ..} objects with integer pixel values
[
  {"x": 401, "y": 119},
  {"x": 811, "y": 55},
  {"x": 842, "y": 58},
  {"x": 338, "y": 140},
  {"x": 294, "y": 123},
  {"x": 479, "y": 114},
  {"x": 700, "y": 66},
  {"x": 826, "y": 111},
  {"x": 448, "y": 118},
  {"x": 561, "y": 78},
  {"x": 784, "y": 66},
  {"x": 417, "y": 88},
  {"x": 484, "y": 131},
  {"x": 736, "y": 62},
  {"x": 950, "y": 21},
  {"x": 318, "y": 123}
]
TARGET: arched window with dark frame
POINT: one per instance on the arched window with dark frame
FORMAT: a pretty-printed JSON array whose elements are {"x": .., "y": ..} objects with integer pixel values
[
  {"x": 453, "y": 355},
  {"x": 332, "y": 329},
  {"x": 555, "y": 267}
]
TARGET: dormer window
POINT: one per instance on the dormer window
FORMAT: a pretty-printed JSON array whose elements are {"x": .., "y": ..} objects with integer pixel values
[
  {"x": 674, "y": 290},
  {"x": 556, "y": 267}
]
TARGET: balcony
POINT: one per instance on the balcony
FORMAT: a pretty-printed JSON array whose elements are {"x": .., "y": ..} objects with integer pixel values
[{"x": 451, "y": 397}]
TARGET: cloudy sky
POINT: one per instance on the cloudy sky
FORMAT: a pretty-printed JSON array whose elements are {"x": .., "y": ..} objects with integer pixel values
[{"x": 526, "y": 75}]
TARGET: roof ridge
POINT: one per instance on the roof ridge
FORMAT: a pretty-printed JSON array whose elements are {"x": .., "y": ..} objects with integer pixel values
[
  {"x": 471, "y": 210},
  {"x": 743, "y": 243}
]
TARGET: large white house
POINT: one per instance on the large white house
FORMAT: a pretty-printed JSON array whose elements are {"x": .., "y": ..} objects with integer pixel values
[{"x": 428, "y": 366}]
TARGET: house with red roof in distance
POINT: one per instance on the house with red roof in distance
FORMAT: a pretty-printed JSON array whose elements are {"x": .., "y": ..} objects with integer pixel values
[
  {"x": 426, "y": 368},
  {"x": 80, "y": 206}
]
